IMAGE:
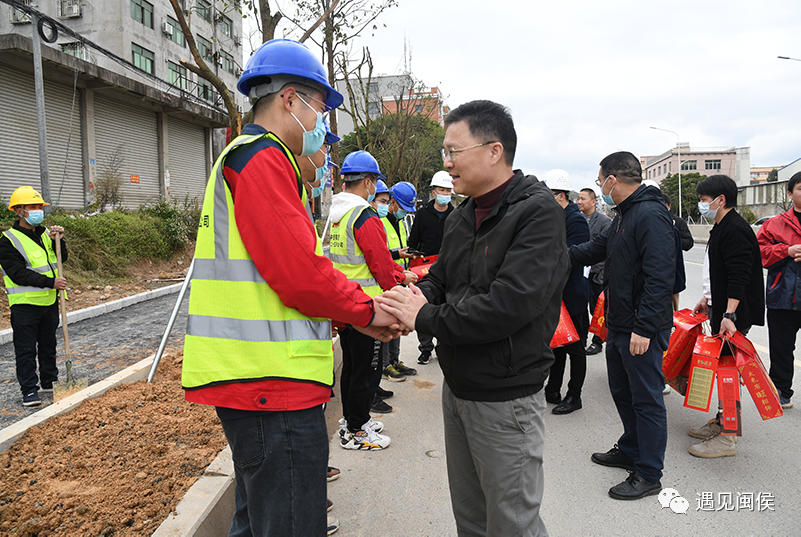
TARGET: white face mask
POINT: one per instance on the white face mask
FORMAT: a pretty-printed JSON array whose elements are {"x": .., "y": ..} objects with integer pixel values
[{"x": 706, "y": 212}]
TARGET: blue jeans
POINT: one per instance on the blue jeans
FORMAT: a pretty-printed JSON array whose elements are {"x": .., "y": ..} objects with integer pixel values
[
  {"x": 35, "y": 331},
  {"x": 280, "y": 462},
  {"x": 636, "y": 383}
]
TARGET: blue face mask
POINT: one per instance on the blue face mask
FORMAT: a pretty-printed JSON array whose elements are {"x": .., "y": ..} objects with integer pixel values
[
  {"x": 35, "y": 217},
  {"x": 382, "y": 210},
  {"x": 608, "y": 197},
  {"x": 443, "y": 199},
  {"x": 706, "y": 212},
  {"x": 312, "y": 140},
  {"x": 400, "y": 214},
  {"x": 319, "y": 175}
]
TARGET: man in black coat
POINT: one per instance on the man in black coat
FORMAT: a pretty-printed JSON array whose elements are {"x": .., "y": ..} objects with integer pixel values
[
  {"x": 736, "y": 284},
  {"x": 639, "y": 248},
  {"x": 687, "y": 241},
  {"x": 575, "y": 297},
  {"x": 426, "y": 236}
]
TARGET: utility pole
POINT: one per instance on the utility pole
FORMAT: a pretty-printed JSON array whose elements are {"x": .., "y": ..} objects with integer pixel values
[{"x": 38, "y": 85}]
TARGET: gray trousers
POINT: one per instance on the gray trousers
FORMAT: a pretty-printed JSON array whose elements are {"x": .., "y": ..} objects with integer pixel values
[{"x": 494, "y": 457}]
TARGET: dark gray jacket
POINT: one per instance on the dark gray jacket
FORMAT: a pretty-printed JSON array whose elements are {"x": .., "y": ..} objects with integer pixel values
[
  {"x": 598, "y": 222},
  {"x": 494, "y": 293}
]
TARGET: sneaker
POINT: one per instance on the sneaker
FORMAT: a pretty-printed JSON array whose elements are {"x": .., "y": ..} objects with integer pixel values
[
  {"x": 710, "y": 429},
  {"x": 384, "y": 394},
  {"x": 594, "y": 348},
  {"x": 46, "y": 388},
  {"x": 786, "y": 403},
  {"x": 379, "y": 406},
  {"x": 403, "y": 370},
  {"x": 391, "y": 373},
  {"x": 666, "y": 391},
  {"x": 376, "y": 426},
  {"x": 332, "y": 474},
  {"x": 424, "y": 358},
  {"x": 329, "y": 505},
  {"x": 364, "y": 440},
  {"x": 719, "y": 445},
  {"x": 333, "y": 525},
  {"x": 31, "y": 399}
]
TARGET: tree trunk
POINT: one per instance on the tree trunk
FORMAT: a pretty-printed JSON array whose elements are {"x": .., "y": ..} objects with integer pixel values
[{"x": 269, "y": 22}]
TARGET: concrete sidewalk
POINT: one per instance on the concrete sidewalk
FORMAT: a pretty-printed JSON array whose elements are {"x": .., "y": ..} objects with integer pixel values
[{"x": 403, "y": 490}]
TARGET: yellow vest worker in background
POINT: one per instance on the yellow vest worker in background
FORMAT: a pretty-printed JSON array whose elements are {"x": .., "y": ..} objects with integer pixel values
[
  {"x": 28, "y": 259},
  {"x": 258, "y": 344}
]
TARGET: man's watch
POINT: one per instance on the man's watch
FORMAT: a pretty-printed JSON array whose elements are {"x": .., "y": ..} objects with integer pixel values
[{"x": 732, "y": 316}]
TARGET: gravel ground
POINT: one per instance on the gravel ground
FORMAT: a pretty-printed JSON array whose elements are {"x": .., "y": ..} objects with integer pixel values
[{"x": 100, "y": 347}]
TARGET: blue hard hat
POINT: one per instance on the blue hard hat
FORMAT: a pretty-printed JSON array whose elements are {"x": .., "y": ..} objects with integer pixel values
[
  {"x": 330, "y": 137},
  {"x": 381, "y": 187},
  {"x": 406, "y": 195},
  {"x": 280, "y": 61},
  {"x": 360, "y": 162}
]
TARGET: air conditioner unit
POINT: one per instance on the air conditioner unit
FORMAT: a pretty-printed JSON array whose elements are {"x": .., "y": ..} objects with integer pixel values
[
  {"x": 168, "y": 29},
  {"x": 72, "y": 11},
  {"x": 237, "y": 72},
  {"x": 18, "y": 16},
  {"x": 237, "y": 41}
]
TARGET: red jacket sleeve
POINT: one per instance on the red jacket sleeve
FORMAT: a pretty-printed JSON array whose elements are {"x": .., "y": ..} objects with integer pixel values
[
  {"x": 771, "y": 246},
  {"x": 372, "y": 239},
  {"x": 281, "y": 240}
]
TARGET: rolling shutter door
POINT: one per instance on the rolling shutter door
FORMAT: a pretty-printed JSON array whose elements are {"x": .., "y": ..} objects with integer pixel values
[
  {"x": 134, "y": 132},
  {"x": 187, "y": 159},
  {"x": 19, "y": 142}
]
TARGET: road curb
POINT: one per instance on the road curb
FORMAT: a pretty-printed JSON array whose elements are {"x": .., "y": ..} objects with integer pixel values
[{"x": 7, "y": 335}]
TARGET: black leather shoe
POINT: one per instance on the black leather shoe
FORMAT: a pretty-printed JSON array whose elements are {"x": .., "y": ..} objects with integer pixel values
[
  {"x": 634, "y": 488},
  {"x": 384, "y": 394},
  {"x": 553, "y": 398},
  {"x": 594, "y": 348},
  {"x": 614, "y": 458},
  {"x": 569, "y": 404},
  {"x": 379, "y": 406}
]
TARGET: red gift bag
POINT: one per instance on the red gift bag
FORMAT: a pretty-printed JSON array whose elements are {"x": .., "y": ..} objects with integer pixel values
[
  {"x": 755, "y": 377},
  {"x": 682, "y": 340},
  {"x": 598, "y": 323},
  {"x": 566, "y": 333},
  {"x": 703, "y": 368},
  {"x": 421, "y": 265}
]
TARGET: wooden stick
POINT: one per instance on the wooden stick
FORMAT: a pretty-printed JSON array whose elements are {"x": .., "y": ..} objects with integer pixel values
[{"x": 68, "y": 362}]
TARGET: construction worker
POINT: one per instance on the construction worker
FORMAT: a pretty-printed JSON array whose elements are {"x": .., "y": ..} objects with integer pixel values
[
  {"x": 30, "y": 273},
  {"x": 426, "y": 236},
  {"x": 402, "y": 202},
  {"x": 359, "y": 250},
  {"x": 575, "y": 297},
  {"x": 258, "y": 343}
]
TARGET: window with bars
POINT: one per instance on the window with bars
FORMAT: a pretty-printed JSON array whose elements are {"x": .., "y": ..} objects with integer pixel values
[
  {"x": 227, "y": 61},
  {"x": 177, "y": 34},
  {"x": 204, "y": 47},
  {"x": 712, "y": 165},
  {"x": 17, "y": 16},
  {"x": 75, "y": 49},
  {"x": 205, "y": 90},
  {"x": 204, "y": 9},
  {"x": 143, "y": 58},
  {"x": 177, "y": 75},
  {"x": 226, "y": 26},
  {"x": 142, "y": 11}
]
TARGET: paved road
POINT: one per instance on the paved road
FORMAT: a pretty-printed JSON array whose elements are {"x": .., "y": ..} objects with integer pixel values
[
  {"x": 403, "y": 490},
  {"x": 100, "y": 347}
]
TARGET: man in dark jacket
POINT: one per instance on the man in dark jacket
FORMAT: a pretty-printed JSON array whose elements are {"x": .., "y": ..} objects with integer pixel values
[
  {"x": 780, "y": 245},
  {"x": 638, "y": 278},
  {"x": 492, "y": 299},
  {"x": 687, "y": 241},
  {"x": 736, "y": 284},
  {"x": 598, "y": 222},
  {"x": 30, "y": 273},
  {"x": 426, "y": 236},
  {"x": 575, "y": 296}
]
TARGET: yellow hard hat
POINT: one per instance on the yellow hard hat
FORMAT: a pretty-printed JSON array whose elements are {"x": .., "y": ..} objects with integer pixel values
[{"x": 25, "y": 195}]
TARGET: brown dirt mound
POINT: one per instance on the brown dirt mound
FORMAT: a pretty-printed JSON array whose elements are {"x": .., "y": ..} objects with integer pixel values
[{"x": 117, "y": 465}]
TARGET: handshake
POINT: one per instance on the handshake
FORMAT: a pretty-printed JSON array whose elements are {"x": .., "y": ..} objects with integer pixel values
[{"x": 395, "y": 313}]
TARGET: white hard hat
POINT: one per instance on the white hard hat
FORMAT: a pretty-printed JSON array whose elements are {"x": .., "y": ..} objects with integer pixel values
[
  {"x": 443, "y": 179},
  {"x": 558, "y": 180}
]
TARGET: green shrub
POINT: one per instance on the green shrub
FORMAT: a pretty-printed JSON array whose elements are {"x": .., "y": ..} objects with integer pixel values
[
  {"x": 748, "y": 215},
  {"x": 179, "y": 224}
]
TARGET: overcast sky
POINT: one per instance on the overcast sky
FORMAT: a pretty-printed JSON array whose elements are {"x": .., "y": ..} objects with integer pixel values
[{"x": 585, "y": 78}]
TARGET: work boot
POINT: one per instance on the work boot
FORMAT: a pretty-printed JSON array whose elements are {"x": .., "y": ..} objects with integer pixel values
[
  {"x": 706, "y": 431},
  {"x": 720, "y": 445}
]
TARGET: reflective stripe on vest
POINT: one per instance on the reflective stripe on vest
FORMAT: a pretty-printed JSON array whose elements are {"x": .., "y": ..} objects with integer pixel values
[
  {"x": 394, "y": 241},
  {"x": 40, "y": 260},
  {"x": 346, "y": 255},
  {"x": 239, "y": 329}
]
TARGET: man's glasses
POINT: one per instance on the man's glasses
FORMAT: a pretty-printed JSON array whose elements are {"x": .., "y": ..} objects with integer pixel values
[
  {"x": 450, "y": 154},
  {"x": 325, "y": 106}
]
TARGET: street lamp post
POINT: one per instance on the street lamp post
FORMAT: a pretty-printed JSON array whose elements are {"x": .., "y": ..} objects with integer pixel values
[
  {"x": 678, "y": 147},
  {"x": 788, "y": 58}
]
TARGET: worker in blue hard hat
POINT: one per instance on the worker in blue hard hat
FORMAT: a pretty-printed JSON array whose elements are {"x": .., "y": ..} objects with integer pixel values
[{"x": 258, "y": 342}]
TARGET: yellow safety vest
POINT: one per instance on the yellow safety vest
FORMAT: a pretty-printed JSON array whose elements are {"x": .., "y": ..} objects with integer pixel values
[
  {"x": 346, "y": 255},
  {"x": 238, "y": 328},
  {"x": 41, "y": 261},
  {"x": 394, "y": 241}
]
